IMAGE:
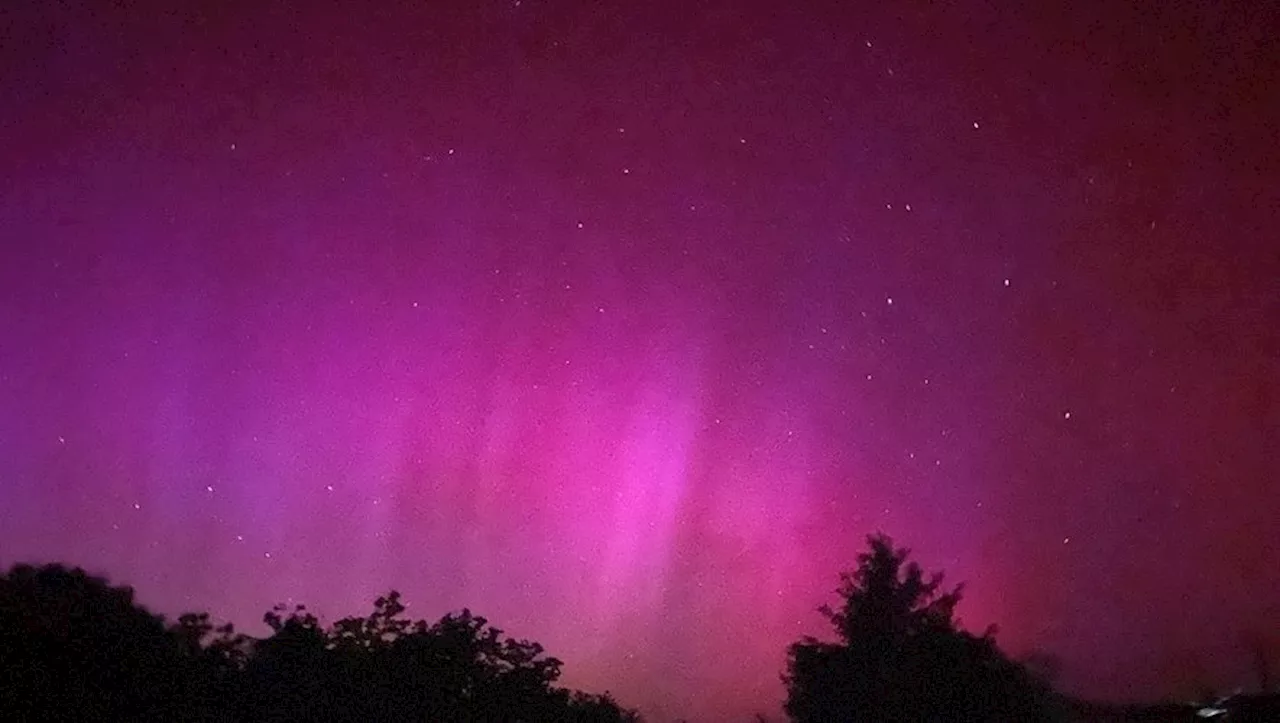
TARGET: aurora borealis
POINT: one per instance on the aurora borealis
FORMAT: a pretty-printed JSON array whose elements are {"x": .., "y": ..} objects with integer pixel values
[{"x": 624, "y": 324}]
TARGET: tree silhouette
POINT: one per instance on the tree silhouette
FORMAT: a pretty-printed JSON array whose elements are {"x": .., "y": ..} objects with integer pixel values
[
  {"x": 72, "y": 647},
  {"x": 72, "y": 642},
  {"x": 214, "y": 656},
  {"x": 386, "y": 667},
  {"x": 903, "y": 657}
]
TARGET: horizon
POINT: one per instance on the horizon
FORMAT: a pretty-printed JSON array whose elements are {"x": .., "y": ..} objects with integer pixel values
[{"x": 623, "y": 326}]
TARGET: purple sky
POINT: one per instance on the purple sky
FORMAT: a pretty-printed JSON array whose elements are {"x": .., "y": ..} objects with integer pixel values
[{"x": 624, "y": 323}]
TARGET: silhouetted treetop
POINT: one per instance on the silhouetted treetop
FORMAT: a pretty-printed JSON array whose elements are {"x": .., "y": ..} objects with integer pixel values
[
  {"x": 72, "y": 647},
  {"x": 889, "y": 596},
  {"x": 903, "y": 657},
  {"x": 71, "y": 638}
]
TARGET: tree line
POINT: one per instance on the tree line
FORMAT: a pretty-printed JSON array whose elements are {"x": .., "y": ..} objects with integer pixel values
[{"x": 74, "y": 647}]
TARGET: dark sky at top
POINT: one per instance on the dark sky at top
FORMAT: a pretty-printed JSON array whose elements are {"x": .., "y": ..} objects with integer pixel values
[{"x": 624, "y": 323}]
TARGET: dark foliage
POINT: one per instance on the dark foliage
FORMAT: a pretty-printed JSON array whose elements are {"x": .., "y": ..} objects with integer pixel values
[
  {"x": 69, "y": 642},
  {"x": 74, "y": 648},
  {"x": 903, "y": 657}
]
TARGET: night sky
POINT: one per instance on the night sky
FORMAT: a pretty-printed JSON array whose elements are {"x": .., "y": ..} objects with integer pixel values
[{"x": 625, "y": 323}]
